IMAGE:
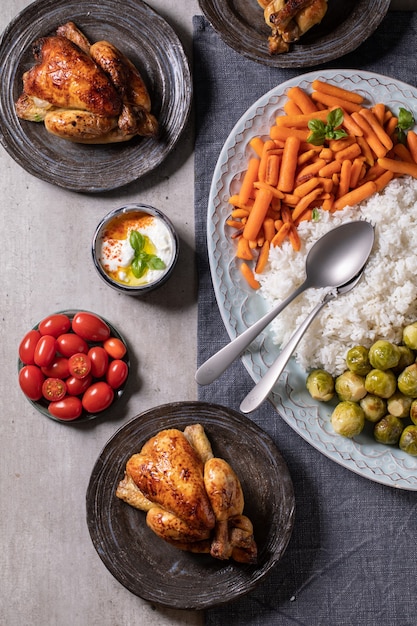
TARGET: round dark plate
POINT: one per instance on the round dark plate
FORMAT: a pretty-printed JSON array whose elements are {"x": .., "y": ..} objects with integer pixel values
[
  {"x": 42, "y": 405},
  {"x": 159, "y": 572},
  {"x": 241, "y": 25},
  {"x": 146, "y": 38}
]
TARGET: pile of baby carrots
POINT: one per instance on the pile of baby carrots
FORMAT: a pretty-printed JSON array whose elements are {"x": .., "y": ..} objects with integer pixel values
[{"x": 288, "y": 178}]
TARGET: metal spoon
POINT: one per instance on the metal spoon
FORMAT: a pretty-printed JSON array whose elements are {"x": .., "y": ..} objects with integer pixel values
[
  {"x": 265, "y": 385},
  {"x": 333, "y": 260}
]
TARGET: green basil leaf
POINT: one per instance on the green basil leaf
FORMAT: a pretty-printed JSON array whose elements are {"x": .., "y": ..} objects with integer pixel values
[
  {"x": 335, "y": 118},
  {"x": 137, "y": 241},
  {"x": 316, "y": 126},
  {"x": 405, "y": 119},
  {"x": 155, "y": 263},
  {"x": 139, "y": 267}
]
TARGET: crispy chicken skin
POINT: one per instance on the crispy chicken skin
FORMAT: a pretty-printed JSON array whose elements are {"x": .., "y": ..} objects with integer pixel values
[
  {"x": 194, "y": 500},
  {"x": 290, "y": 19},
  {"x": 85, "y": 93}
]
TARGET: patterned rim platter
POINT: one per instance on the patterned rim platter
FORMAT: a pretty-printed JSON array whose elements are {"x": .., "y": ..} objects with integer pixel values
[
  {"x": 164, "y": 68},
  {"x": 240, "y": 307},
  {"x": 152, "y": 569},
  {"x": 347, "y": 24}
]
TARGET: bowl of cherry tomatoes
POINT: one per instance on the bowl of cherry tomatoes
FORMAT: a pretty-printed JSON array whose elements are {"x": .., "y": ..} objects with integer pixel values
[{"x": 73, "y": 365}]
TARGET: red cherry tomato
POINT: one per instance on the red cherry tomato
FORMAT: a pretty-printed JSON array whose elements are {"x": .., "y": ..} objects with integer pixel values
[
  {"x": 70, "y": 343},
  {"x": 57, "y": 369},
  {"x": 115, "y": 347},
  {"x": 117, "y": 373},
  {"x": 98, "y": 397},
  {"x": 45, "y": 351},
  {"x": 99, "y": 361},
  {"x": 55, "y": 325},
  {"x": 79, "y": 365},
  {"x": 77, "y": 386},
  {"x": 54, "y": 389},
  {"x": 30, "y": 381},
  {"x": 90, "y": 327},
  {"x": 69, "y": 408},
  {"x": 27, "y": 347}
]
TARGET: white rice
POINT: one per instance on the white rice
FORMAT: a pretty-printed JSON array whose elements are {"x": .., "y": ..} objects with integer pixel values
[{"x": 382, "y": 303}]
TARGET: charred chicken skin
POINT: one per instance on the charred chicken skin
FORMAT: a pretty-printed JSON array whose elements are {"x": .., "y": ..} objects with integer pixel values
[
  {"x": 85, "y": 93},
  {"x": 192, "y": 499},
  {"x": 290, "y": 19}
]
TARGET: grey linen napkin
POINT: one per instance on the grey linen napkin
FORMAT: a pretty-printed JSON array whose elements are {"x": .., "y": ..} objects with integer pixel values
[{"x": 351, "y": 560}]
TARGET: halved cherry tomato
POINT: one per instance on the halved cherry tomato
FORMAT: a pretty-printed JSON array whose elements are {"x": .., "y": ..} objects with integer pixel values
[
  {"x": 77, "y": 386},
  {"x": 59, "y": 368},
  {"x": 90, "y": 327},
  {"x": 27, "y": 347},
  {"x": 115, "y": 347},
  {"x": 54, "y": 389},
  {"x": 69, "y": 408},
  {"x": 98, "y": 397},
  {"x": 45, "y": 351},
  {"x": 55, "y": 325},
  {"x": 70, "y": 343},
  {"x": 99, "y": 361},
  {"x": 117, "y": 373},
  {"x": 79, "y": 365},
  {"x": 31, "y": 381}
]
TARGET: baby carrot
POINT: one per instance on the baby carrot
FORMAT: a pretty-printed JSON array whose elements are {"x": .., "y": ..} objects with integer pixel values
[
  {"x": 302, "y": 99},
  {"x": 243, "y": 251},
  {"x": 401, "y": 151},
  {"x": 281, "y": 234},
  {"x": 399, "y": 167},
  {"x": 249, "y": 276},
  {"x": 292, "y": 108},
  {"x": 272, "y": 170},
  {"x": 304, "y": 203},
  {"x": 344, "y": 181},
  {"x": 249, "y": 178},
  {"x": 355, "y": 196},
  {"x": 350, "y": 152},
  {"x": 257, "y": 214},
  {"x": 379, "y": 131},
  {"x": 257, "y": 144},
  {"x": 288, "y": 164},
  {"x": 412, "y": 144},
  {"x": 333, "y": 101},
  {"x": 338, "y": 92},
  {"x": 302, "y": 120},
  {"x": 262, "y": 258},
  {"x": 283, "y": 132},
  {"x": 383, "y": 180}
]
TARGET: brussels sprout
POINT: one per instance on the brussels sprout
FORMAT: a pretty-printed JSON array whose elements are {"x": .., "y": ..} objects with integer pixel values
[
  {"x": 407, "y": 381},
  {"x": 374, "y": 407},
  {"x": 388, "y": 430},
  {"x": 408, "y": 440},
  {"x": 410, "y": 336},
  {"x": 383, "y": 355},
  {"x": 348, "y": 419},
  {"x": 413, "y": 411},
  {"x": 357, "y": 360},
  {"x": 407, "y": 357},
  {"x": 350, "y": 386},
  {"x": 399, "y": 404},
  {"x": 320, "y": 385},
  {"x": 382, "y": 383}
]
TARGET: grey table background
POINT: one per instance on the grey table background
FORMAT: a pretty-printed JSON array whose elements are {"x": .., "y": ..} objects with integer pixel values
[{"x": 351, "y": 560}]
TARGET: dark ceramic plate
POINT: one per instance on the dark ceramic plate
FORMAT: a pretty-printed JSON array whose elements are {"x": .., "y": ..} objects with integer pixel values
[
  {"x": 160, "y": 573},
  {"x": 347, "y": 23},
  {"x": 42, "y": 405},
  {"x": 152, "y": 45}
]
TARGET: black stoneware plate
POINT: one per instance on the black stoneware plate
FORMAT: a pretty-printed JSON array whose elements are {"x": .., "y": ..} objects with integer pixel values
[
  {"x": 159, "y": 572},
  {"x": 347, "y": 23},
  {"x": 146, "y": 38}
]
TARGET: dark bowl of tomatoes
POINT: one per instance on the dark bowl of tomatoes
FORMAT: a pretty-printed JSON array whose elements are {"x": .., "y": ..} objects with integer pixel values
[{"x": 73, "y": 365}]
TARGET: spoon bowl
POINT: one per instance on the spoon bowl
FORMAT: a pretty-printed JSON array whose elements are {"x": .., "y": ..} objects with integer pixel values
[{"x": 334, "y": 260}]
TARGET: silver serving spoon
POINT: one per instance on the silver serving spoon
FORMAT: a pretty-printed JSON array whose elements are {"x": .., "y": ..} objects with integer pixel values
[
  {"x": 333, "y": 260},
  {"x": 265, "y": 385}
]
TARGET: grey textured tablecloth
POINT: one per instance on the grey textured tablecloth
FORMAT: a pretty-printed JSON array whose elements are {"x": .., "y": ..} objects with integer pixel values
[{"x": 352, "y": 558}]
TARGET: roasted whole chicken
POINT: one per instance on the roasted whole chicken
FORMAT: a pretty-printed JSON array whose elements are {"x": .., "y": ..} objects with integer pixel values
[
  {"x": 193, "y": 500},
  {"x": 290, "y": 19},
  {"x": 85, "y": 93}
]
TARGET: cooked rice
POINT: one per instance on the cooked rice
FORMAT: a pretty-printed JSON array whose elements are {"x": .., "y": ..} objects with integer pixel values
[{"x": 382, "y": 303}]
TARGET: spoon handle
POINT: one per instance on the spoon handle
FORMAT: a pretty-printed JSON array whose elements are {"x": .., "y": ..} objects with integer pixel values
[
  {"x": 220, "y": 361},
  {"x": 261, "y": 390}
]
